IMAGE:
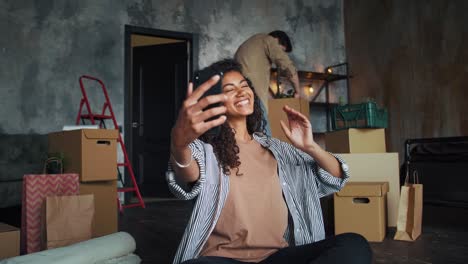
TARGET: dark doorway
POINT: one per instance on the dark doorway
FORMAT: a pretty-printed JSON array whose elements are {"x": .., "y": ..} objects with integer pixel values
[
  {"x": 159, "y": 77},
  {"x": 158, "y": 70}
]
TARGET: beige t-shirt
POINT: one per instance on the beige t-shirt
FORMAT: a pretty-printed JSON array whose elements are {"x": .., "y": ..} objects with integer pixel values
[{"x": 254, "y": 218}]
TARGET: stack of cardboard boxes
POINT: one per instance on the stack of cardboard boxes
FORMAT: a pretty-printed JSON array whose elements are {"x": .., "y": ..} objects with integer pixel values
[
  {"x": 276, "y": 114},
  {"x": 92, "y": 153},
  {"x": 371, "y": 196}
]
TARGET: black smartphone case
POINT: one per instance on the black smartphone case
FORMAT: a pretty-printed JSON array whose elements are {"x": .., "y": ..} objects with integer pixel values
[{"x": 199, "y": 78}]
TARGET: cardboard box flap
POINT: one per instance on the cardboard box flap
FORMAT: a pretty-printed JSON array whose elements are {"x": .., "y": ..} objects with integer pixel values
[
  {"x": 101, "y": 133},
  {"x": 364, "y": 189},
  {"x": 9, "y": 241},
  {"x": 7, "y": 228},
  {"x": 356, "y": 140}
]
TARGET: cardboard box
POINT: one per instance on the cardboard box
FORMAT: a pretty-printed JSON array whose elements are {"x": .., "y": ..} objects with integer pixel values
[
  {"x": 105, "y": 206},
  {"x": 276, "y": 113},
  {"x": 360, "y": 207},
  {"x": 9, "y": 241},
  {"x": 355, "y": 140},
  {"x": 378, "y": 167},
  {"x": 92, "y": 153}
]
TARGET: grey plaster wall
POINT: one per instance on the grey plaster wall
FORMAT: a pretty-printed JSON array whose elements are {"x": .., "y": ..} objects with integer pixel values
[
  {"x": 19, "y": 155},
  {"x": 46, "y": 45},
  {"x": 411, "y": 56}
]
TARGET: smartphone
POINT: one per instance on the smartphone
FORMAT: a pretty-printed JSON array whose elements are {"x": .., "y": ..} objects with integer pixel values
[{"x": 202, "y": 76}]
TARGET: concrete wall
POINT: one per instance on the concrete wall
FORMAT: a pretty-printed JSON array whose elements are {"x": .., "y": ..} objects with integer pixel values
[
  {"x": 46, "y": 45},
  {"x": 411, "y": 56}
]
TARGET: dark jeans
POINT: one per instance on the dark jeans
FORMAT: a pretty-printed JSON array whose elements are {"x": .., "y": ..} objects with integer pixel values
[{"x": 345, "y": 248}]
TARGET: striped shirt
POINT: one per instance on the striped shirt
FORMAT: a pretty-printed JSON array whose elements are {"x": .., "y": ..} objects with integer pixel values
[{"x": 303, "y": 183}]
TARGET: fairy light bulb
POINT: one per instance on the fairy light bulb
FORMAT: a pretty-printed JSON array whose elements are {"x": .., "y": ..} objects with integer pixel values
[{"x": 329, "y": 70}]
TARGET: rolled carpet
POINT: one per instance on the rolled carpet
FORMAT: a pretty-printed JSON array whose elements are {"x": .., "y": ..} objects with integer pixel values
[{"x": 97, "y": 250}]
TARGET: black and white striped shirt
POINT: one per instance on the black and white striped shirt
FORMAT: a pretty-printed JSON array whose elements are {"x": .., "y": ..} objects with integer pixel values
[{"x": 302, "y": 181}]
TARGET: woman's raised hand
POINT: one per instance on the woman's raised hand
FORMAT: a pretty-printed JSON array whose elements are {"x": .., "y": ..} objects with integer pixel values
[
  {"x": 192, "y": 121},
  {"x": 299, "y": 131}
]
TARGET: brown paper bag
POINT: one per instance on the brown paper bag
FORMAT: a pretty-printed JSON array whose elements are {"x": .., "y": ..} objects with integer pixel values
[
  {"x": 410, "y": 210},
  {"x": 68, "y": 220}
]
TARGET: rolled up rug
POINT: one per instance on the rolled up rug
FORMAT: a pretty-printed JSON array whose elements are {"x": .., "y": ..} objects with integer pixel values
[{"x": 103, "y": 249}]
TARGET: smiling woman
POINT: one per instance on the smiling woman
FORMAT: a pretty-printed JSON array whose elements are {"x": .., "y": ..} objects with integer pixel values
[
  {"x": 240, "y": 98},
  {"x": 258, "y": 198},
  {"x": 242, "y": 106}
]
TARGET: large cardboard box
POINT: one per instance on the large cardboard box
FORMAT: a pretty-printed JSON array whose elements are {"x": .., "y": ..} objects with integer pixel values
[
  {"x": 378, "y": 167},
  {"x": 276, "y": 113},
  {"x": 360, "y": 207},
  {"x": 9, "y": 241},
  {"x": 92, "y": 153},
  {"x": 355, "y": 140},
  {"x": 105, "y": 206}
]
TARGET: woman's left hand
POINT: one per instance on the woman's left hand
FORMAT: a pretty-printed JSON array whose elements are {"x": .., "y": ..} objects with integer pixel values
[
  {"x": 299, "y": 131},
  {"x": 300, "y": 134}
]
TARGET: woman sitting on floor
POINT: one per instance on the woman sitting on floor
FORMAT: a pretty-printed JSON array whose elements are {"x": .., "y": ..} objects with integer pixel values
[{"x": 258, "y": 198}]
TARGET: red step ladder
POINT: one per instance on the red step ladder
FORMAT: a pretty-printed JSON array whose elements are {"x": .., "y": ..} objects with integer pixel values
[{"x": 101, "y": 118}]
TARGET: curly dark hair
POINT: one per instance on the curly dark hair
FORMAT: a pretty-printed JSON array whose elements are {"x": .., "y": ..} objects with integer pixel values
[{"x": 224, "y": 142}]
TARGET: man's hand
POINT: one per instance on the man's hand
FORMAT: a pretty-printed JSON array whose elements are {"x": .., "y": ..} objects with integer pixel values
[{"x": 297, "y": 88}]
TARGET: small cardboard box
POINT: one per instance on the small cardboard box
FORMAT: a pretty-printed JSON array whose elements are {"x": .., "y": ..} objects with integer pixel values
[
  {"x": 360, "y": 207},
  {"x": 378, "y": 167},
  {"x": 355, "y": 140},
  {"x": 105, "y": 206},
  {"x": 9, "y": 241},
  {"x": 92, "y": 153},
  {"x": 276, "y": 113}
]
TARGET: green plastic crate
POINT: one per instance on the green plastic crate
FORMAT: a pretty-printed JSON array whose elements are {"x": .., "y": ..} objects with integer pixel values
[{"x": 364, "y": 115}]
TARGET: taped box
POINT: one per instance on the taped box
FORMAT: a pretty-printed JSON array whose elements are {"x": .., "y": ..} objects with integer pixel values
[{"x": 92, "y": 153}]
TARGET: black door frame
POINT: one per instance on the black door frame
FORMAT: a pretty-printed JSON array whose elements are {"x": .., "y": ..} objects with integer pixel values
[{"x": 191, "y": 38}]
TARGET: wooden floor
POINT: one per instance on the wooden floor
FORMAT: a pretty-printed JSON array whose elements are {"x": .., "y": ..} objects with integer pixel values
[{"x": 158, "y": 229}]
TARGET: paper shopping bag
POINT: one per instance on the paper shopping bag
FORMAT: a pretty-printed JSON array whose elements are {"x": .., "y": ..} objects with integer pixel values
[
  {"x": 36, "y": 187},
  {"x": 410, "y": 210},
  {"x": 67, "y": 220}
]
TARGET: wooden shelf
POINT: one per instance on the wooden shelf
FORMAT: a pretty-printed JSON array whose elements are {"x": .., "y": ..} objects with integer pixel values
[
  {"x": 329, "y": 77},
  {"x": 308, "y": 75}
]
